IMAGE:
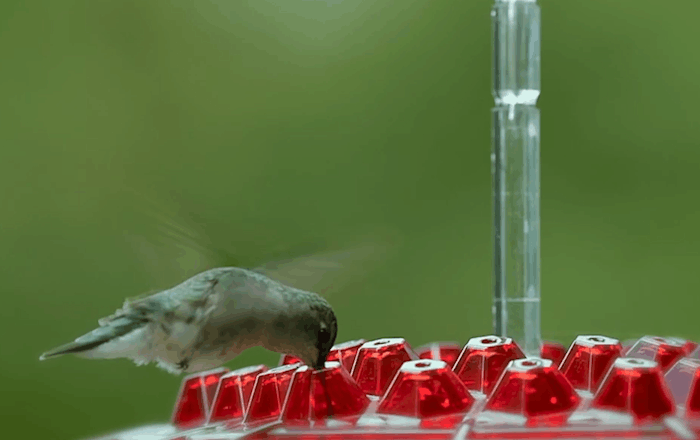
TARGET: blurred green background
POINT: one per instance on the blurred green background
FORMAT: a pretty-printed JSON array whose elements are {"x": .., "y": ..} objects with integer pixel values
[{"x": 275, "y": 125}]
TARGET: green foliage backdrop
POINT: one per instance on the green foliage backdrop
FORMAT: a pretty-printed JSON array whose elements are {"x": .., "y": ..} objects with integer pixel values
[{"x": 282, "y": 124}]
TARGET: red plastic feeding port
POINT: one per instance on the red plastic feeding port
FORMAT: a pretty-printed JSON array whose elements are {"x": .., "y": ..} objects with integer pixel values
[
  {"x": 483, "y": 360},
  {"x": 635, "y": 386},
  {"x": 692, "y": 408},
  {"x": 425, "y": 388},
  {"x": 269, "y": 394},
  {"x": 665, "y": 351},
  {"x": 288, "y": 359},
  {"x": 536, "y": 389},
  {"x": 689, "y": 347},
  {"x": 424, "y": 398},
  {"x": 588, "y": 359},
  {"x": 196, "y": 397},
  {"x": 346, "y": 353},
  {"x": 683, "y": 379},
  {"x": 331, "y": 392},
  {"x": 553, "y": 351},
  {"x": 233, "y": 394},
  {"x": 378, "y": 361},
  {"x": 443, "y": 351}
]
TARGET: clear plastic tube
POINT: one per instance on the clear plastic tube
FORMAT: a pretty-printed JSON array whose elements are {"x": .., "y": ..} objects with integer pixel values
[{"x": 515, "y": 171}]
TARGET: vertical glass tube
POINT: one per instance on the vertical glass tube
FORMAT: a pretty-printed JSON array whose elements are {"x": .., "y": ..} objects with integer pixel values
[{"x": 515, "y": 171}]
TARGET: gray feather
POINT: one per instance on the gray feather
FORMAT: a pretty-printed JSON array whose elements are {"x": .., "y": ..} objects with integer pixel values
[{"x": 114, "y": 328}]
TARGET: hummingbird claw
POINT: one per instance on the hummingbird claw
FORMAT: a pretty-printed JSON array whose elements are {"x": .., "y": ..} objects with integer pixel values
[{"x": 183, "y": 364}]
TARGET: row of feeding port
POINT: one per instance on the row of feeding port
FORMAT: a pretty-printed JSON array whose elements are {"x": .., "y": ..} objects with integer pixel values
[{"x": 488, "y": 383}]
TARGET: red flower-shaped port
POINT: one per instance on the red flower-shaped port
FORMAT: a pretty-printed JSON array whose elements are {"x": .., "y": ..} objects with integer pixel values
[
  {"x": 483, "y": 360},
  {"x": 195, "y": 398},
  {"x": 665, "y": 351},
  {"x": 636, "y": 387},
  {"x": 378, "y": 361},
  {"x": 553, "y": 351},
  {"x": 315, "y": 395},
  {"x": 683, "y": 380},
  {"x": 269, "y": 394},
  {"x": 346, "y": 353},
  {"x": 588, "y": 359},
  {"x": 425, "y": 388},
  {"x": 536, "y": 389},
  {"x": 233, "y": 394},
  {"x": 442, "y": 351}
]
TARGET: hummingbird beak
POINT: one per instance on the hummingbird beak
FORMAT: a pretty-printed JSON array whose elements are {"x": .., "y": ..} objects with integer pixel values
[{"x": 320, "y": 363}]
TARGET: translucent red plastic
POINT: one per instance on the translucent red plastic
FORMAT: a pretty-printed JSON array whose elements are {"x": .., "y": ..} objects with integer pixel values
[
  {"x": 665, "y": 351},
  {"x": 269, "y": 394},
  {"x": 233, "y": 394},
  {"x": 443, "y": 351},
  {"x": 425, "y": 398},
  {"x": 316, "y": 395},
  {"x": 682, "y": 380},
  {"x": 346, "y": 353},
  {"x": 536, "y": 389},
  {"x": 425, "y": 388},
  {"x": 692, "y": 408},
  {"x": 636, "y": 387},
  {"x": 288, "y": 359},
  {"x": 378, "y": 361},
  {"x": 689, "y": 347},
  {"x": 588, "y": 359},
  {"x": 195, "y": 398},
  {"x": 483, "y": 360},
  {"x": 553, "y": 351}
]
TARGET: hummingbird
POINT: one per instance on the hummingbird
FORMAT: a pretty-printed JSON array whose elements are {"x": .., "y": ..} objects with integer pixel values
[
  {"x": 216, "y": 314},
  {"x": 208, "y": 320}
]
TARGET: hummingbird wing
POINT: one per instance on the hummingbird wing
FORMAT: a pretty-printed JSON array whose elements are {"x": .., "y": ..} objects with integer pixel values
[
  {"x": 177, "y": 245},
  {"x": 190, "y": 302},
  {"x": 324, "y": 272}
]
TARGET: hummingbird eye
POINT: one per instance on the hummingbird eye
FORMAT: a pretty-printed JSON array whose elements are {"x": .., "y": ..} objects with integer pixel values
[{"x": 324, "y": 336}]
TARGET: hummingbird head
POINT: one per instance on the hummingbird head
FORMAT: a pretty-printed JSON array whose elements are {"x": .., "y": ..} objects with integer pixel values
[
  {"x": 306, "y": 330},
  {"x": 325, "y": 337}
]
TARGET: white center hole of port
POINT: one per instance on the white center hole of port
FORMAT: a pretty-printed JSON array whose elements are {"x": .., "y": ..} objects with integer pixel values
[{"x": 528, "y": 363}]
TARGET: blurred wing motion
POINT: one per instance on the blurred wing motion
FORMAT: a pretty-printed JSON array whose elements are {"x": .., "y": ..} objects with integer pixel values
[
  {"x": 178, "y": 249},
  {"x": 325, "y": 272},
  {"x": 170, "y": 250}
]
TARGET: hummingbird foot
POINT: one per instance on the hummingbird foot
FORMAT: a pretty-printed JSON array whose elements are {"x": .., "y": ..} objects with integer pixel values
[{"x": 183, "y": 365}]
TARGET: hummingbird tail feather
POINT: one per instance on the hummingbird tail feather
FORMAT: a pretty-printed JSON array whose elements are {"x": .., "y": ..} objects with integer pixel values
[
  {"x": 72, "y": 347},
  {"x": 106, "y": 333}
]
